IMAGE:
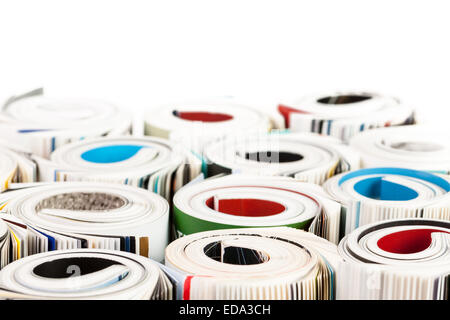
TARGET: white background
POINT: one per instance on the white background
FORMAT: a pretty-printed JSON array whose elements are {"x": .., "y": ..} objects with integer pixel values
[{"x": 139, "y": 53}]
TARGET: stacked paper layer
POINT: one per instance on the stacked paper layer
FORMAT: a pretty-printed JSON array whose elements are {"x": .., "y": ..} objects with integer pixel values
[{"x": 15, "y": 166}]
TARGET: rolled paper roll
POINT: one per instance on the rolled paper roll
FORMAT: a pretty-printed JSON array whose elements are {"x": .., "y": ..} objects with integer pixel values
[
  {"x": 255, "y": 264},
  {"x": 71, "y": 215},
  {"x": 151, "y": 163},
  {"x": 398, "y": 259},
  {"x": 305, "y": 157},
  {"x": 343, "y": 114},
  {"x": 195, "y": 124},
  {"x": 13, "y": 237},
  {"x": 85, "y": 274},
  {"x": 15, "y": 166},
  {"x": 376, "y": 194},
  {"x": 416, "y": 147},
  {"x": 240, "y": 201},
  {"x": 41, "y": 124}
]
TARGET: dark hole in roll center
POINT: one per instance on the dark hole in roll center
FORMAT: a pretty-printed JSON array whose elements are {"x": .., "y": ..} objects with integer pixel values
[
  {"x": 234, "y": 255},
  {"x": 344, "y": 99},
  {"x": 273, "y": 156},
  {"x": 68, "y": 267}
]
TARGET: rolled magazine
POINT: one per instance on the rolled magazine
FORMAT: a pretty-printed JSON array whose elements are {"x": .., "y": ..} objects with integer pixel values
[
  {"x": 305, "y": 157},
  {"x": 70, "y": 215},
  {"x": 416, "y": 147},
  {"x": 344, "y": 114},
  {"x": 376, "y": 194},
  {"x": 254, "y": 264},
  {"x": 407, "y": 259},
  {"x": 241, "y": 201},
  {"x": 84, "y": 274},
  {"x": 41, "y": 124}
]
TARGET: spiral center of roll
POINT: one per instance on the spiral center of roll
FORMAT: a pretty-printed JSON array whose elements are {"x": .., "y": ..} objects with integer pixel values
[
  {"x": 79, "y": 201},
  {"x": 246, "y": 207},
  {"x": 273, "y": 156},
  {"x": 416, "y": 146},
  {"x": 111, "y": 154},
  {"x": 75, "y": 266},
  {"x": 379, "y": 188},
  {"x": 234, "y": 255},
  {"x": 407, "y": 241},
  {"x": 344, "y": 99},
  {"x": 67, "y": 110},
  {"x": 202, "y": 116}
]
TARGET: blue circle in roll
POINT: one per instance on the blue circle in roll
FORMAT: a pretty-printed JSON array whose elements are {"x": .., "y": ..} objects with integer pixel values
[
  {"x": 111, "y": 154},
  {"x": 381, "y": 189}
]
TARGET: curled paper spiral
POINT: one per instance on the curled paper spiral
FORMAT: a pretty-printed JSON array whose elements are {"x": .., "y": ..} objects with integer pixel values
[
  {"x": 343, "y": 114},
  {"x": 398, "y": 259},
  {"x": 376, "y": 194},
  {"x": 196, "y": 123},
  {"x": 305, "y": 157},
  {"x": 84, "y": 274},
  {"x": 238, "y": 201},
  {"x": 151, "y": 163},
  {"x": 415, "y": 147},
  {"x": 41, "y": 124},
  {"x": 258, "y": 263},
  {"x": 71, "y": 215}
]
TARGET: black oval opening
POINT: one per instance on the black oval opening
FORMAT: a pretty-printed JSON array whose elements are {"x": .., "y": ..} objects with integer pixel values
[
  {"x": 344, "y": 99},
  {"x": 234, "y": 255},
  {"x": 273, "y": 156},
  {"x": 68, "y": 267}
]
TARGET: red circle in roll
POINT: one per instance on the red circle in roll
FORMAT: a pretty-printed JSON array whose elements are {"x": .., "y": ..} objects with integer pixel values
[
  {"x": 407, "y": 241},
  {"x": 203, "y": 116},
  {"x": 247, "y": 207}
]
